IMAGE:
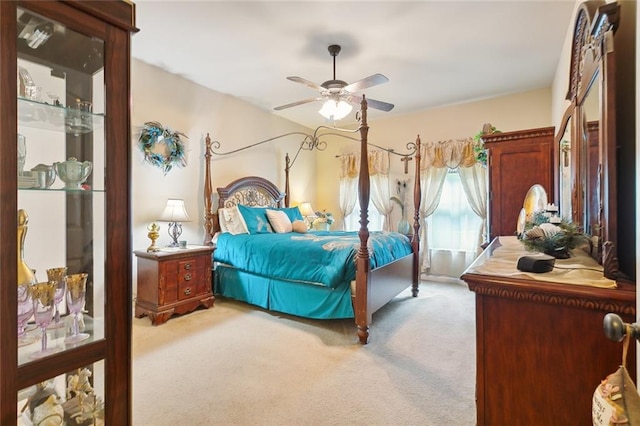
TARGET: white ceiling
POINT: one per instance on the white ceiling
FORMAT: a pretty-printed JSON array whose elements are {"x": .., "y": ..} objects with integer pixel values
[{"x": 434, "y": 53}]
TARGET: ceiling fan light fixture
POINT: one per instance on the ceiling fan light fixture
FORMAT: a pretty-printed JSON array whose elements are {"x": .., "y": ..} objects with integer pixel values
[{"x": 335, "y": 110}]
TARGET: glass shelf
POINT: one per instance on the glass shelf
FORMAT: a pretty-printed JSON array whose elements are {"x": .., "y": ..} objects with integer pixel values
[
  {"x": 70, "y": 190},
  {"x": 55, "y": 337},
  {"x": 57, "y": 118}
]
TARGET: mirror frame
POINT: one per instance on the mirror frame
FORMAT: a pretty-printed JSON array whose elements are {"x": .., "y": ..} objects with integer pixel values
[{"x": 593, "y": 63}]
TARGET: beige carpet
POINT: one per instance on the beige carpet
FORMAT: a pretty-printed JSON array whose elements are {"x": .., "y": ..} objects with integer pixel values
[{"x": 235, "y": 364}]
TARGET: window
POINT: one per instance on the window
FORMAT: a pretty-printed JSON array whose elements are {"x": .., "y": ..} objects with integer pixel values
[
  {"x": 352, "y": 221},
  {"x": 452, "y": 231}
]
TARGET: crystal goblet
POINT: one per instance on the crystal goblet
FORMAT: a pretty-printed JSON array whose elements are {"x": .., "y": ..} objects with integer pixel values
[
  {"x": 43, "y": 305},
  {"x": 57, "y": 275},
  {"x": 25, "y": 311},
  {"x": 76, "y": 291}
]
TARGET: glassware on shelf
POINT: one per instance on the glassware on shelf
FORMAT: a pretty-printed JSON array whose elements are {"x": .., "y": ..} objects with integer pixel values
[
  {"x": 22, "y": 152},
  {"x": 25, "y": 311},
  {"x": 46, "y": 175},
  {"x": 73, "y": 172},
  {"x": 43, "y": 295},
  {"x": 76, "y": 290},
  {"x": 26, "y": 277},
  {"x": 26, "y": 86},
  {"x": 57, "y": 275}
]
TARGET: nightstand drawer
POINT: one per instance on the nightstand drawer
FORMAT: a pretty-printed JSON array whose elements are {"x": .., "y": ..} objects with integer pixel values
[{"x": 186, "y": 290}]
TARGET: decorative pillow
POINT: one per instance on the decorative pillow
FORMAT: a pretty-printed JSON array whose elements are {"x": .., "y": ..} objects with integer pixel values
[
  {"x": 231, "y": 221},
  {"x": 292, "y": 212},
  {"x": 256, "y": 219},
  {"x": 299, "y": 226},
  {"x": 279, "y": 221}
]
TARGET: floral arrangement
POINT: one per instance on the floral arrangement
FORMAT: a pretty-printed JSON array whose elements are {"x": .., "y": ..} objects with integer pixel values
[
  {"x": 478, "y": 146},
  {"x": 553, "y": 239},
  {"x": 324, "y": 217},
  {"x": 152, "y": 136}
]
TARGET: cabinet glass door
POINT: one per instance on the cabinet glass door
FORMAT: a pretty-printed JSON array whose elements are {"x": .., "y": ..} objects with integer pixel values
[{"x": 61, "y": 218}]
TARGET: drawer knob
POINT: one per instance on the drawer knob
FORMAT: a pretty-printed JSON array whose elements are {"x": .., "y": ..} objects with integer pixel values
[
  {"x": 187, "y": 277},
  {"x": 187, "y": 266},
  {"x": 187, "y": 291}
]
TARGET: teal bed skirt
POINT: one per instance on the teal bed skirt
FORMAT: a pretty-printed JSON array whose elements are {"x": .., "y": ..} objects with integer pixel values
[{"x": 289, "y": 297}]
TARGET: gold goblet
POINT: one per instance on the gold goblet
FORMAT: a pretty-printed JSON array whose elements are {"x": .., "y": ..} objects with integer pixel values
[
  {"x": 43, "y": 295},
  {"x": 57, "y": 275},
  {"x": 76, "y": 291}
]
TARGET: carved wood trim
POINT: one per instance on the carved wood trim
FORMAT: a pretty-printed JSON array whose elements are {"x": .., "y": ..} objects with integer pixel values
[
  {"x": 250, "y": 191},
  {"x": 591, "y": 302},
  {"x": 520, "y": 134}
]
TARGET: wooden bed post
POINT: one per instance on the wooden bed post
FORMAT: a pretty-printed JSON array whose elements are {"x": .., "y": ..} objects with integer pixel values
[
  {"x": 415, "y": 240},
  {"x": 208, "y": 191},
  {"x": 363, "y": 266}
]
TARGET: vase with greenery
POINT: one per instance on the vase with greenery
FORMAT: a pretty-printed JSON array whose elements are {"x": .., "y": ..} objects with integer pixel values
[{"x": 478, "y": 144}]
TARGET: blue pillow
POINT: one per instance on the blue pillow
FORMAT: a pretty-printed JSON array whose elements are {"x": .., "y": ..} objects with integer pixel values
[
  {"x": 292, "y": 212},
  {"x": 256, "y": 219}
]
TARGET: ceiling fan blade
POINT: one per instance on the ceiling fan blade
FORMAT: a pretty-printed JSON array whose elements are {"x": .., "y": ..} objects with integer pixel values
[
  {"x": 305, "y": 101},
  {"x": 372, "y": 103},
  {"x": 383, "y": 106},
  {"x": 372, "y": 80},
  {"x": 306, "y": 83}
]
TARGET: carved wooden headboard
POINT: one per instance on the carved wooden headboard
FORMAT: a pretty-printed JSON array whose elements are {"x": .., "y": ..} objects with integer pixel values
[{"x": 250, "y": 191}]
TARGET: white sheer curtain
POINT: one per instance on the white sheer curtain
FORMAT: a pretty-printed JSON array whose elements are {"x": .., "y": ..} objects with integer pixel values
[
  {"x": 379, "y": 200},
  {"x": 348, "y": 185},
  {"x": 431, "y": 181},
  {"x": 438, "y": 157},
  {"x": 379, "y": 178},
  {"x": 474, "y": 183},
  {"x": 453, "y": 230}
]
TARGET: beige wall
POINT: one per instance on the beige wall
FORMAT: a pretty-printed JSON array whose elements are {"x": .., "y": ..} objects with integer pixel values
[{"x": 182, "y": 105}]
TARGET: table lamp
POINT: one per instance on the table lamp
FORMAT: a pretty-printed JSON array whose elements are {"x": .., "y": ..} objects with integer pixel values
[
  {"x": 307, "y": 212},
  {"x": 174, "y": 213}
]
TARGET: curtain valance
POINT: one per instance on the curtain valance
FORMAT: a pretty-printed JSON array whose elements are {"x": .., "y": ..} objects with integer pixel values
[{"x": 452, "y": 153}]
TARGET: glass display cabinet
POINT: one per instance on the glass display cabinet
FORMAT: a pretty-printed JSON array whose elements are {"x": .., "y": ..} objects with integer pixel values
[{"x": 65, "y": 266}]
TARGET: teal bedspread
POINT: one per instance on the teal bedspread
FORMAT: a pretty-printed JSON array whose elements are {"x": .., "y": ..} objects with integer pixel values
[{"x": 322, "y": 258}]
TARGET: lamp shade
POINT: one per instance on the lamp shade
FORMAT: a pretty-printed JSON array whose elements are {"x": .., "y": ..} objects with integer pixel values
[
  {"x": 306, "y": 210},
  {"x": 335, "y": 110},
  {"x": 175, "y": 211}
]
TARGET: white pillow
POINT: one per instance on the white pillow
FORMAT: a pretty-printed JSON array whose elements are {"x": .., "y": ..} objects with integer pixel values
[
  {"x": 279, "y": 221},
  {"x": 231, "y": 221}
]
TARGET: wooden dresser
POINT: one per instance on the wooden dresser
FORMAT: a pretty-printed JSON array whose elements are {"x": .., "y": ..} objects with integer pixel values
[
  {"x": 541, "y": 348},
  {"x": 516, "y": 161},
  {"x": 173, "y": 281}
]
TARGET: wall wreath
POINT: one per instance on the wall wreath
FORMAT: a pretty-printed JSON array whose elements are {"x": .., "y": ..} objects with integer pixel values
[{"x": 162, "y": 146}]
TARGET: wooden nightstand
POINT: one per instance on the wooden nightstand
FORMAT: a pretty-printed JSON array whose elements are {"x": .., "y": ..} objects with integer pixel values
[{"x": 173, "y": 281}]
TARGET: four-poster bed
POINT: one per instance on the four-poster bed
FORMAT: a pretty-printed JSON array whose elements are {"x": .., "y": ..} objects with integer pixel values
[{"x": 367, "y": 289}]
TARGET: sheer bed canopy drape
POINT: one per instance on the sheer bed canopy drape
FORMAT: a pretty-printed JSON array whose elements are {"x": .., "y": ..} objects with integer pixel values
[{"x": 379, "y": 165}]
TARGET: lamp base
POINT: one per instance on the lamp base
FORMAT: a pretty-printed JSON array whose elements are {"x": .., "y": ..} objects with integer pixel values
[{"x": 175, "y": 230}]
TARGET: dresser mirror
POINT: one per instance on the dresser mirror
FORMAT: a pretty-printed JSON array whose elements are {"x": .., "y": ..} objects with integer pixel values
[{"x": 585, "y": 143}]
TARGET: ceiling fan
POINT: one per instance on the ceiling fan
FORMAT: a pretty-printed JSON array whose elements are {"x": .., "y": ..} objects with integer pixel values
[{"x": 338, "y": 94}]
